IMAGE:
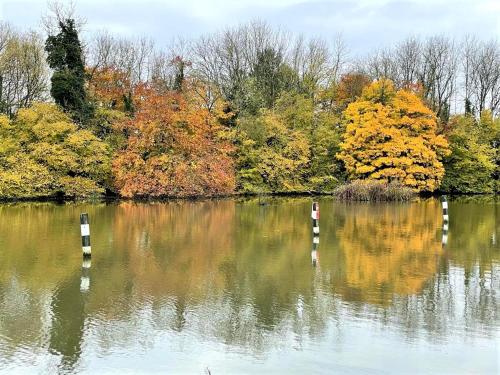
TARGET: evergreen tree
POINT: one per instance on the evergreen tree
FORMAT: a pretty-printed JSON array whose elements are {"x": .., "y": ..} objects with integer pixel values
[{"x": 68, "y": 80}]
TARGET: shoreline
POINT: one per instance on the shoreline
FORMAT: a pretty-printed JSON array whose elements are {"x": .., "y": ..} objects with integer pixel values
[{"x": 194, "y": 198}]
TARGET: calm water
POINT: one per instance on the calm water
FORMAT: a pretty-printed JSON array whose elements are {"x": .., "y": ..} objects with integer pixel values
[{"x": 229, "y": 286}]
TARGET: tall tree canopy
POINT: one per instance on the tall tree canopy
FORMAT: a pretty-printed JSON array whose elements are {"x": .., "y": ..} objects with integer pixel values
[
  {"x": 65, "y": 57},
  {"x": 391, "y": 135}
]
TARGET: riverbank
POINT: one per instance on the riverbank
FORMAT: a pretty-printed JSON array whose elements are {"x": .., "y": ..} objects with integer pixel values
[{"x": 335, "y": 194}]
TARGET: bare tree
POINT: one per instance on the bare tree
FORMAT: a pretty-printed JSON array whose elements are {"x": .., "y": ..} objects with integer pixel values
[
  {"x": 5, "y": 35},
  {"x": 206, "y": 68},
  {"x": 164, "y": 67},
  {"x": 133, "y": 57},
  {"x": 340, "y": 56},
  {"x": 59, "y": 11},
  {"x": 312, "y": 60},
  {"x": 468, "y": 52},
  {"x": 408, "y": 59},
  {"x": 382, "y": 64},
  {"x": 485, "y": 76},
  {"x": 100, "y": 52},
  {"x": 438, "y": 74},
  {"x": 23, "y": 71}
]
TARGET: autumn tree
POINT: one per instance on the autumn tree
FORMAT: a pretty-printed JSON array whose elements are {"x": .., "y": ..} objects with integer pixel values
[
  {"x": 288, "y": 148},
  {"x": 43, "y": 154},
  {"x": 68, "y": 80},
  {"x": 275, "y": 156},
  {"x": 471, "y": 166},
  {"x": 391, "y": 136},
  {"x": 340, "y": 94},
  {"x": 110, "y": 88},
  {"x": 173, "y": 149}
]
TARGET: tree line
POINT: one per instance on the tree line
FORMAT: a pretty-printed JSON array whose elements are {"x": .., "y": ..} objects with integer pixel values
[{"x": 246, "y": 109}]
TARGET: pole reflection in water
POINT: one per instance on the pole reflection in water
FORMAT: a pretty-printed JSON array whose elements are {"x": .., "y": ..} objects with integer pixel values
[
  {"x": 314, "y": 252},
  {"x": 444, "y": 204},
  {"x": 67, "y": 328},
  {"x": 85, "y": 279},
  {"x": 444, "y": 239}
]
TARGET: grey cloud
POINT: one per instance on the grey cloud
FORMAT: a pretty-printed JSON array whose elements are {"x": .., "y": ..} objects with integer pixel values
[{"x": 364, "y": 25}]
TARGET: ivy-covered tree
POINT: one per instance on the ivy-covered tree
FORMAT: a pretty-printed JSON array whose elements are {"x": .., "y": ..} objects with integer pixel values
[{"x": 65, "y": 57}]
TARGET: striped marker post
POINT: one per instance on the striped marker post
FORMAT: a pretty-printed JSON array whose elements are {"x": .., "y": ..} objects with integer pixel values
[
  {"x": 444, "y": 203},
  {"x": 85, "y": 279},
  {"x": 85, "y": 230},
  {"x": 315, "y": 218},
  {"x": 314, "y": 252}
]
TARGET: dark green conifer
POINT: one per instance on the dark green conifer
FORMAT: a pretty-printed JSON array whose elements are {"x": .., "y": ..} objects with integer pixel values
[{"x": 65, "y": 57}]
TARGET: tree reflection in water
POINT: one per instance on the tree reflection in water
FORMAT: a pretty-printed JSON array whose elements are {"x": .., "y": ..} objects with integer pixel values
[{"x": 238, "y": 273}]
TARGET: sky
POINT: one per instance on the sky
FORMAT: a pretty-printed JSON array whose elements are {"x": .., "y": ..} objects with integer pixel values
[{"x": 365, "y": 25}]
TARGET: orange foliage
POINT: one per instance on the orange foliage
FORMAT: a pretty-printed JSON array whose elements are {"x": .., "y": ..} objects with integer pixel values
[
  {"x": 350, "y": 88},
  {"x": 173, "y": 149},
  {"x": 109, "y": 86}
]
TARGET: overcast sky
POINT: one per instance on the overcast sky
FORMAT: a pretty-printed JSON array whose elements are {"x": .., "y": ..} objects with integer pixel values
[{"x": 364, "y": 24}]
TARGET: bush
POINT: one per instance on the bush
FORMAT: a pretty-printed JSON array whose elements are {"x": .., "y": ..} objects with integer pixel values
[
  {"x": 371, "y": 190},
  {"x": 44, "y": 154}
]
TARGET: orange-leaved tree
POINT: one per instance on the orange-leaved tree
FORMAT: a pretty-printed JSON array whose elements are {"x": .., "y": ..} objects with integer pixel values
[
  {"x": 391, "y": 136},
  {"x": 174, "y": 148},
  {"x": 111, "y": 88}
]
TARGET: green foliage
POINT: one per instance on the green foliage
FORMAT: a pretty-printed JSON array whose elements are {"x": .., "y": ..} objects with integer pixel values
[
  {"x": 289, "y": 148},
  {"x": 473, "y": 163},
  {"x": 65, "y": 57},
  {"x": 271, "y": 76},
  {"x": 272, "y": 157},
  {"x": 102, "y": 125},
  {"x": 43, "y": 154}
]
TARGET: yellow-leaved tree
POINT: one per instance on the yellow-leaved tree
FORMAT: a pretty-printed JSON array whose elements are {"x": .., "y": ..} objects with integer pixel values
[
  {"x": 391, "y": 136},
  {"x": 43, "y": 154}
]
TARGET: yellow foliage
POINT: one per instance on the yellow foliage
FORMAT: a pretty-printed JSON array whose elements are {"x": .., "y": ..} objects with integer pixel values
[
  {"x": 391, "y": 135},
  {"x": 395, "y": 253},
  {"x": 43, "y": 153}
]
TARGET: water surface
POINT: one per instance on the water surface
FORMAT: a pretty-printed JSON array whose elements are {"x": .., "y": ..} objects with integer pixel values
[{"x": 230, "y": 286}]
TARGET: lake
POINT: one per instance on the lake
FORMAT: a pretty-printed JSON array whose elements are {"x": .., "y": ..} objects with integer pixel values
[{"x": 237, "y": 286}]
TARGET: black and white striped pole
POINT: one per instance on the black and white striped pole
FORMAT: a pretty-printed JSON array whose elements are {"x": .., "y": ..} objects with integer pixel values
[
  {"x": 315, "y": 218},
  {"x": 85, "y": 230},
  {"x": 314, "y": 252},
  {"x": 444, "y": 203},
  {"x": 85, "y": 279}
]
